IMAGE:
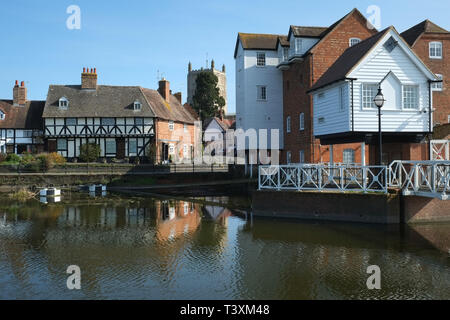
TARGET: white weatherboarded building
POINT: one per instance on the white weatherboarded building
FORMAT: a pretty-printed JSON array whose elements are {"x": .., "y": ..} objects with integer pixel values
[{"x": 344, "y": 110}]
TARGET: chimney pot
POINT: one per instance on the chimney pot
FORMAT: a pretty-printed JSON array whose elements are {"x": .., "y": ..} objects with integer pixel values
[
  {"x": 22, "y": 84},
  {"x": 17, "y": 83},
  {"x": 19, "y": 94},
  {"x": 95, "y": 70},
  {"x": 89, "y": 79},
  {"x": 84, "y": 70}
]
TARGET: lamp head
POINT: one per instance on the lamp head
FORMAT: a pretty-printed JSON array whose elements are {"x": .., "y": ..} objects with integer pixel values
[{"x": 379, "y": 99}]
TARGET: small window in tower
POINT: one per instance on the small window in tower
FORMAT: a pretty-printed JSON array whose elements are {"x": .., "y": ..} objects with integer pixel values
[
  {"x": 354, "y": 41},
  {"x": 260, "y": 59},
  {"x": 2, "y": 115}
]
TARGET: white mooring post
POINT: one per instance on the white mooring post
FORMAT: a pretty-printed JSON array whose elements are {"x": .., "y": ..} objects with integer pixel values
[{"x": 363, "y": 153}]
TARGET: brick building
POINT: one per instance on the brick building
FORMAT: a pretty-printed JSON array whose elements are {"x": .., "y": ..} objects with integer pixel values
[
  {"x": 300, "y": 72},
  {"x": 432, "y": 44}
]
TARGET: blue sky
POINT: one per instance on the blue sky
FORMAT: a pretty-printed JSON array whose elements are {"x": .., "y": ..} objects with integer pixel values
[{"x": 129, "y": 41}]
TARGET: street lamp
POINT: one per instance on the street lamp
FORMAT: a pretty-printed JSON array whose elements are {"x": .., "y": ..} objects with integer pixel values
[{"x": 379, "y": 102}]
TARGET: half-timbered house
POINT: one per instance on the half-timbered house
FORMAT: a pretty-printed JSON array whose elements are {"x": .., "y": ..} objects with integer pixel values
[
  {"x": 21, "y": 123},
  {"x": 122, "y": 120}
]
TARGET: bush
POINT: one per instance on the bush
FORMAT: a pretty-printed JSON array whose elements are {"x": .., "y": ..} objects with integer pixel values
[
  {"x": 56, "y": 158},
  {"x": 3, "y": 157},
  {"x": 27, "y": 159},
  {"x": 45, "y": 162},
  {"x": 89, "y": 152},
  {"x": 12, "y": 157}
]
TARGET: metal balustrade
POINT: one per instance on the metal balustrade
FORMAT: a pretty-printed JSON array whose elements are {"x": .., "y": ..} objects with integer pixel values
[
  {"x": 440, "y": 150},
  {"x": 324, "y": 177},
  {"x": 421, "y": 178}
]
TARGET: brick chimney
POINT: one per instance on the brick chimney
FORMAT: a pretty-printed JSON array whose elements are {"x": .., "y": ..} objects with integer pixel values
[
  {"x": 89, "y": 79},
  {"x": 164, "y": 89},
  {"x": 178, "y": 96},
  {"x": 19, "y": 94}
]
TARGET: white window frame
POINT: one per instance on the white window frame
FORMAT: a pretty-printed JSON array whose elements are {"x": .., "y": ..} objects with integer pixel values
[
  {"x": 110, "y": 143},
  {"x": 301, "y": 122},
  {"x": 404, "y": 89},
  {"x": 435, "y": 45},
  {"x": 137, "y": 106},
  {"x": 448, "y": 118},
  {"x": 345, "y": 156},
  {"x": 259, "y": 93},
  {"x": 298, "y": 43},
  {"x": 301, "y": 155},
  {"x": 185, "y": 127},
  {"x": 285, "y": 53},
  {"x": 288, "y": 124},
  {"x": 171, "y": 125},
  {"x": 185, "y": 150},
  {"x": 2, "y": 115},
  {"x": 171, "y": 149},
  {"x": 438, "y": 86},
  {"x": 364, "y": 99},
  {"x": 63, "y": 103},
  {"x": 353, "y": 41},
  {"x": 260, "y": 59},
  {"x": 135, "y": 151},
  {"x": 288, "y": 157}
]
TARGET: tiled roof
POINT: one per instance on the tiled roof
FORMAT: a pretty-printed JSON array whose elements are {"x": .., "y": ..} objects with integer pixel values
[
  {"x": 314, "y": 32},
  {"x": 28, "y": 116},
  {"x": 255, "y": 41},
  {"x": 113, "y": 101},
  {"x": 426, "y": 26},
  {"x": 343, "y": 65}
]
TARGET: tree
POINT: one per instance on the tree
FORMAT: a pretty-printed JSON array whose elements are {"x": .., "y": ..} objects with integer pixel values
[
  {"x": 89, "y": 152},
  {"x": 207, "y": 101}
]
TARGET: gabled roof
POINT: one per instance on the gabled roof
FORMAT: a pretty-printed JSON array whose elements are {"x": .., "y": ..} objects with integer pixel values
[
  {"x": 225, "y": 124},
  {"x": 306, "y": 32},
  {"x": 257, "y": 41},
  {"x": 168, "y": 110},
  {"x": 339, "y": 70},
  {"x": 343, "y": 66},
  {"x": 113, "y": 101},
  {"x": 27, "y": 117},
  {"x": 412, "y": 34}
]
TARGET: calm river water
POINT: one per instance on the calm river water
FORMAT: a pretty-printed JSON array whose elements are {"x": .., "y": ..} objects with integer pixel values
[{"x": 149, "y": 248}]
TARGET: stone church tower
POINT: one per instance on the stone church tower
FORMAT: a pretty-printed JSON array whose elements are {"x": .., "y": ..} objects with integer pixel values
[{"x": 222, "y": 84}]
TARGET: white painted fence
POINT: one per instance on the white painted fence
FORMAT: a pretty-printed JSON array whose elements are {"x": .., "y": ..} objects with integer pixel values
[
  {"x": 421, "y": 178},
  {"x": 323, "y": 177},
  {"x": 440, "y": 149}
]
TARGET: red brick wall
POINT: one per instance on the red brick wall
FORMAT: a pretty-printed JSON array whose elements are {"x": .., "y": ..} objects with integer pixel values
[
  {"x": 441, "y": 100},
  {"x": 299, "y": 79},
  {"x": 178, "y": 137}
]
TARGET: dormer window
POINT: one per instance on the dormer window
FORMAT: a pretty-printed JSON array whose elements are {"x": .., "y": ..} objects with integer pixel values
[
  {"x": 137, "y": 106},
  {"x": 354, "y": 41},
  {"x": 63, "y": 103},
  {"x": 2, "y": 115}
]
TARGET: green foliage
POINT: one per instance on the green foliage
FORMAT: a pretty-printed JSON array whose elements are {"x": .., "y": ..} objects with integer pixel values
[
  {"x": 151, "y": 152},
  {"x": 3, "y": 157},
  {"x": 45, "y": 162},
  {"x": 12, "y": 157},
  {"x": 89, "y": 152},
  {"x": 207, "y": 101}
]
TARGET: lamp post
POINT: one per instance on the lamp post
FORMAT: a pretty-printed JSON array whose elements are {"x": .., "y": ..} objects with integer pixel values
[{"x": 379, "y": 102}]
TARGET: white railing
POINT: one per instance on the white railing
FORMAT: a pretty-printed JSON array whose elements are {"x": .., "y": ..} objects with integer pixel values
[
  {"x": 324, "y": 177},
  {"x": 421, "y": 178},
  {"x": 440, "y": 149}
]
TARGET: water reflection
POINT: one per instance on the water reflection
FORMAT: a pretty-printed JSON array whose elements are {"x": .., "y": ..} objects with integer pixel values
[{"x": 134, "y": 248}]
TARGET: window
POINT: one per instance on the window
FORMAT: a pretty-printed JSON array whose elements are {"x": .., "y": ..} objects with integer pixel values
[
  {"x": 298, "y": 45},
  {"x": 302, "y": 121},
  {"x": 349, "y": 156},
  {"x": 285, "y": 54},
  {"x": 341, "y": 98},
  {"x": 369, "y": 91},
  {"x": 288, "y": 157},
  {"x": 107, "y": 121},
  {"x": 71, "y": 121},
  {"x": 2, "y": 115},
  {"x": 262, "y": 92},
  {"x": 27, "y": 133},
  {"x": 171, "y": 125},
  {"x": 110, "y": 146},
  {"x": 185, "y": 127},
  {"x": 437, "y": 86},
  {"x": 260, "y": 59},
  {"x": 410, "y": 97},
  {"x": 354, "y": 41},
  {"x": 61, "y": 144},
  {"x": 436, "y": 50},
  {"x": 288, "y": 124},
  {"x": 132, "y": 146},
  {"x": 185, "y": 150},
  {"x": 321, "y": 95},
  {"x": 137, "y": 106},
  {"x": 448, "y": 118},
  {"x": 321, "y": 120},
  {"x": 138, "y": 121},
  {"x": 63, "y": 103},
  {"x": 171, "y": 149},
  {"x": 302, "y": 156}
]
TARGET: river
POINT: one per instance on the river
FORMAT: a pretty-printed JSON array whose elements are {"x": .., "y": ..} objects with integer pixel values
[{"x": 130, "y": 247}]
